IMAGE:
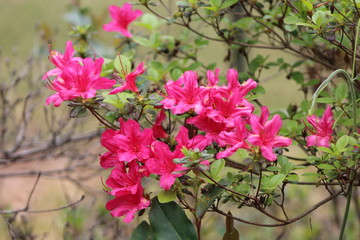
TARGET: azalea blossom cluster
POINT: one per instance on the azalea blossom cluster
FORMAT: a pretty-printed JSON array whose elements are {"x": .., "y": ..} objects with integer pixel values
[
  {"x": 220, "y": 116},
  {"x": 223, "y": 113},
  {"x": 220, "y": 112}
]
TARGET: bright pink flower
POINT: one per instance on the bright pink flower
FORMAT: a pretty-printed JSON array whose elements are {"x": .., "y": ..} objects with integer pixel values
[
  {"x": 61, "y": 60},
  {"x": 323, "y": 129},
  {"x": 110, "y": 158},
  {"x": 212, "y": 77},
  {"x": 158, "y": 130},
  {"x": 122, "y": 181},
  {"x": 162, "y": 164},
  {"x": 206, "y": 124},
  {"x": 130, "y": 83},
  {"x": 234, "y": 140},
  {"x": 225, "y": 110},
  {"x": 199, "y": 141},
  {"x": 78, "y": 79},
  {"x": 128, "y": 205},
  {"x": 132, "y": 142},
  {"x": 265, "y": 134},
  {"x": 183, "y": 94},
  {"x": 121, "y": 18}
]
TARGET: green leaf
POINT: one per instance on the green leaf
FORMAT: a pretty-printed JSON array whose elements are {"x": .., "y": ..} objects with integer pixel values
[
  {"x": 273, "y": 169},
  {"x": 166, "y": 196},
  {"x": 342, "y": 143},
  {"x": 313, "y": 26},
  {"x": 118, "y": 100},
  {"x": 111, "y": 116},
  {"x": 142, "y": 41},
  {"x": 122, "y": 64},
  {"x": 168, "y": 221},
  {"x": 319, "y": 17},
  {"x": 325, "y": 100},
  {"x": 256, "y": 63},
  {"x": 298, "y": 77},
  {"x": 199, "y": 41},
  {"x": 228, "y": 3},
  {"x": 207, "y": 199},
  {"x": 108, "y": 67},
  {"x": 149, "y": 21},
  {"x": 292, "y": 177},
  {"x": 215, "y": 3},
  {"x": 242, "y": 188},
  {"x": 325, "y": 149},
  {"x": 326, "y": 166},
  {"x": 175, "y": 74},
  {"x": 291, "y": 20},
  {"x": 276, "y": 180},
  {"x": 341, "y": 92},
  {"x": 216, "y": 167},
  {"x": 308, "y": 4},
  {"x": 143, "y": 232},
  {"x": 243, "y": 23}
]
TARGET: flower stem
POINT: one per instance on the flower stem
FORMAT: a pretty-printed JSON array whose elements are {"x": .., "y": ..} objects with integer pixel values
[{"x": 353, "y": 98}]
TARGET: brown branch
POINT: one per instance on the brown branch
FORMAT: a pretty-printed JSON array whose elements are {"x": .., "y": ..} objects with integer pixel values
[
  {"x": 286, "y": 222},
  {"x": 43, "y": 210}
]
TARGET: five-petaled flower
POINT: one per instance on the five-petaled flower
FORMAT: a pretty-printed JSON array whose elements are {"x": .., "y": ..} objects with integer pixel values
[
  {"x": 78, "y": 80},
  {"x": 265, "y": 134},
  {"x": 121, "y": 18},
  {"x": 323, "y": 129}
]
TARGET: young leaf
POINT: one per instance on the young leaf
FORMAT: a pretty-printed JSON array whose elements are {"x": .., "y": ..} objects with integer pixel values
[
  {"x": 228, "y": 3},
  {"x": 168, "y": 221},
  {"x": 342, "y": 143},
  {"x": 276, "y": 180},
  {"x": 216, "y": 168},
  {"x": 341, "y": 92},
  {"x": 291, "y": 20},
  {"x": 166, "y": 196}
]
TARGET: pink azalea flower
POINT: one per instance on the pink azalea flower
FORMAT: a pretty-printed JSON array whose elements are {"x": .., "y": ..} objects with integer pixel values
[
  {"x": 124, "y": 182},
  {"x": 234, "y": 140},
  {"x": 133, "y": 143},
  {"x": 162, "y": 164},
  {"x": 323, "y": 129},
  {"x": 110, "y": 158},
  {"x": 128, "y": 205},
  {"x": 61, "y": 60},
  {"x": 78, "y": 80},
  {"x": 199, "y": 141},
  {"x": 225, "y": 110},
  {"x": 208, "y": 125},
  {"x": 265, "y": 134},
  {"x": 121, "y": 18},
  {"x": 212, "y": 77},
  {"x": 130, "y": 83},
  {"x": 183, "y": 94},
  {"x": 158, "y": 130}
]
